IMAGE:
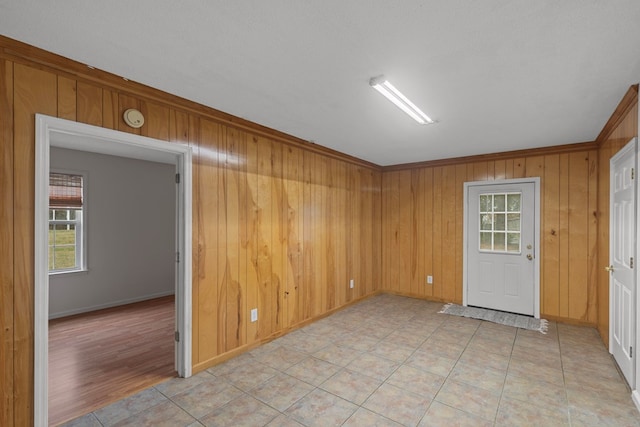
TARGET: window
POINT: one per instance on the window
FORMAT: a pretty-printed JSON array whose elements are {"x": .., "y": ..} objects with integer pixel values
[
  {"x": 66, "y": 197},
  {"x": 500, "y": 222}
]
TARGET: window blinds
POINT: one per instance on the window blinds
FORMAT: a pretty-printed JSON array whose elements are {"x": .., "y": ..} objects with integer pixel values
[{"x": 65, "y": 190}]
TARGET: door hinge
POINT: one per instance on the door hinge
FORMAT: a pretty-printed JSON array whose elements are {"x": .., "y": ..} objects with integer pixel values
[
  {"x": 177, "y": 256},
  {"x": 633, "y": 173},
  {"x": 630, "y": 352},
  {"x": 177, "y": 178},
  {"x": 631, "y": 262},
  {"x": 176, "y": 336}
]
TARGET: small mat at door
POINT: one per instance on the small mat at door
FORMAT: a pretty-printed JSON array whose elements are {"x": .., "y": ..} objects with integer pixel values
[{"x": 501, "y": 317}]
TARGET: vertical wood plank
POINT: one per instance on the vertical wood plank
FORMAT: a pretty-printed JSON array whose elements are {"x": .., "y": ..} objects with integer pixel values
[
  {"x": 427, "y": 178},
  {"x": 187, "y": 129},
  {"x": 252, "y": 242},
  {"x": 278, "y": 238},
  {"x": 264, "y": 228},
  {"x": 294, "y": 210},
  {"x": 592, "y": 239},
  {"x": 179, "y": 128},
  {"x": 578, "y": 220},
  {"x": 110, "y": 109},
  {"x": 461, "y": 178},
  {"x": 308, "y": 233},
  {"x": 233, "y": 279},
  {"x": 449, "y": 223},
  {"x": 415, "y": 233},
  {"x": 6, "y": 244},
  {"x": 207, "y": 211},
  {"x": 89, "y": 104},
  {"x": 561, "y": 209},
  {"x": 156, "y": 121},
  {"x": 66, "y": 98},
  {"x": 35, "y": 91},
  {"x": 438, "y": 235},
  {"x": 550, "y": 238},
  {"x": 221, "y": 248}
]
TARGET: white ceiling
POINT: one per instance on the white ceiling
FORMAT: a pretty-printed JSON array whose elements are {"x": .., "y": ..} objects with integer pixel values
[{"x": 498, "y": 75}]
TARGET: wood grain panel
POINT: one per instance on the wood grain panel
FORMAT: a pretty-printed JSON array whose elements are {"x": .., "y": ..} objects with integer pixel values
[
  {"x": 563, "y": 179},
  {"x": 35, "y": 91},
  {"x": 429, "y": 230},
  {"x": 438, "y": 235},
  {"x": 592, "y": 245},
  {"x": 294, "y": 210},
  {"x": 6, "y": 244},
  {"x": 266, "y": 284},
  {"x": 308, "y": 291},
  {"x": 89, "y": 104},
  {"x": 448, "y": 238},
  {"x": 461, "y": 178},
  {"x": 234, "y": 276},
  {"x": 550, "y": 238},
  {"x": 110, "y": 109},
  {"x": 220, "y": 256},
  {"x": 189, "y": 131},
  {"x": 206, "y": 208},
  {"x": 66, "y": 98},
  {"x": 156, "y": 121},
  {"x": 252, "y": 237},
  {"x": 278, "y": 238},
  {"x": 579, "y": 221}
]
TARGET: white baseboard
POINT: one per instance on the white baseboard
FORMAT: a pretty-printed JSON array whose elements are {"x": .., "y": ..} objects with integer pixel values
[
  {"x": 108, "y": 305},
  {"x": 635, "y": 395}
]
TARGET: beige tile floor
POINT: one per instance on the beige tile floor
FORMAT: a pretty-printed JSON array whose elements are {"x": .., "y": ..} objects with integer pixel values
[{"x": 391, "y": 361}]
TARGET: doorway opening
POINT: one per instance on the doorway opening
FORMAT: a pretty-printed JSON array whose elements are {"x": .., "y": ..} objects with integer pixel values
[{"x": 54, "y": 132}]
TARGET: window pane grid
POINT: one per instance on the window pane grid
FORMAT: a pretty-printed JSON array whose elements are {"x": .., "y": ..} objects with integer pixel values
[
  {"x": 65, "y": 222},
  {"x": 500, "y": 218}
]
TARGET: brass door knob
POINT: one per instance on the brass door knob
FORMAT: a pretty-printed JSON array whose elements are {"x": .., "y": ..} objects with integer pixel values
[
  {"x": 529, "y": 257},
  {"x": 609, "y": 268}
]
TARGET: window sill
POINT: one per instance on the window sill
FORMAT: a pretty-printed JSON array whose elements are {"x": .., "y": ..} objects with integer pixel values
[{"x": 59, "y": 273}]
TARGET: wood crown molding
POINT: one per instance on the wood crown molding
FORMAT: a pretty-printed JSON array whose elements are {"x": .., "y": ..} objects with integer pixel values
[
  {"x": 628, "y": 101},
  {"x": 20, "y": 52},
  {"x": 554, "y": 149}
]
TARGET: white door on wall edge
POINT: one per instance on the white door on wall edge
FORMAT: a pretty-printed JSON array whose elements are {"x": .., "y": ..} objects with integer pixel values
[
  {"x": 622, "y": 243},
  {"x": 501, "y": 242}
]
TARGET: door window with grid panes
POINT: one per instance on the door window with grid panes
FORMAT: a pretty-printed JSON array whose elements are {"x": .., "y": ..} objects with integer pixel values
[{"x": 500, "y": 219}]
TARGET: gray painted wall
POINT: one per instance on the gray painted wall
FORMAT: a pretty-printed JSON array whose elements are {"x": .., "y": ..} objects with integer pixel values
[{"x": 130, "y": 226}]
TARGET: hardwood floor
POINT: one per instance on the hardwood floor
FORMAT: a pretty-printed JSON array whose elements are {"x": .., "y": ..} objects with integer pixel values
[{"x": 100, "y": 357}]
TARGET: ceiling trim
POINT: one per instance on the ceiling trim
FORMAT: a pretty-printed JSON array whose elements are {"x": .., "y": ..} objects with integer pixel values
[
  {"x": 23, "y": 53},
  {"x": 530, "y": 152},
  {"x": 629, "y": 100}
]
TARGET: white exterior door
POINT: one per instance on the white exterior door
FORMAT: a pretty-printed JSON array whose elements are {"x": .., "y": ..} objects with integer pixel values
[
  {"x": 500, "y": 253},
  {"x": 622, "y": 309}
]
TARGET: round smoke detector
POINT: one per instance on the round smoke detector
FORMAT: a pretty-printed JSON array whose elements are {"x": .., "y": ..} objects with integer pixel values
[{"x": 133, "y": 118}]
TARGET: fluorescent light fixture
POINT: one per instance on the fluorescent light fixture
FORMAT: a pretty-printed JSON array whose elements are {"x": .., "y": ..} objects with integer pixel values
[{"x": 389, "y": 91}]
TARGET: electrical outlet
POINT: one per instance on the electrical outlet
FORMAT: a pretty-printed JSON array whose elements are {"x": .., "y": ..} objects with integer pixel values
[
  {"x": 351, "y": 283},
  {"x": 254, "y": 315},
  {"x": 429, "y": 280}
]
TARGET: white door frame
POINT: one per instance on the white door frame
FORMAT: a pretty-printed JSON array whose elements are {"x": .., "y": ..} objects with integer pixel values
[
  {"x": 51, "y": 131},
  {"x": 536, "y": 236}
]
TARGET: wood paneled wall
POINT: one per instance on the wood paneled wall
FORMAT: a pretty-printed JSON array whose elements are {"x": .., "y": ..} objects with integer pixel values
[
  {"x": 422, "y": 217},
  {"x": 278, "y": 224},
  {"x": 282, "y": 225},
  {"x": 622, "y": 126}
]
